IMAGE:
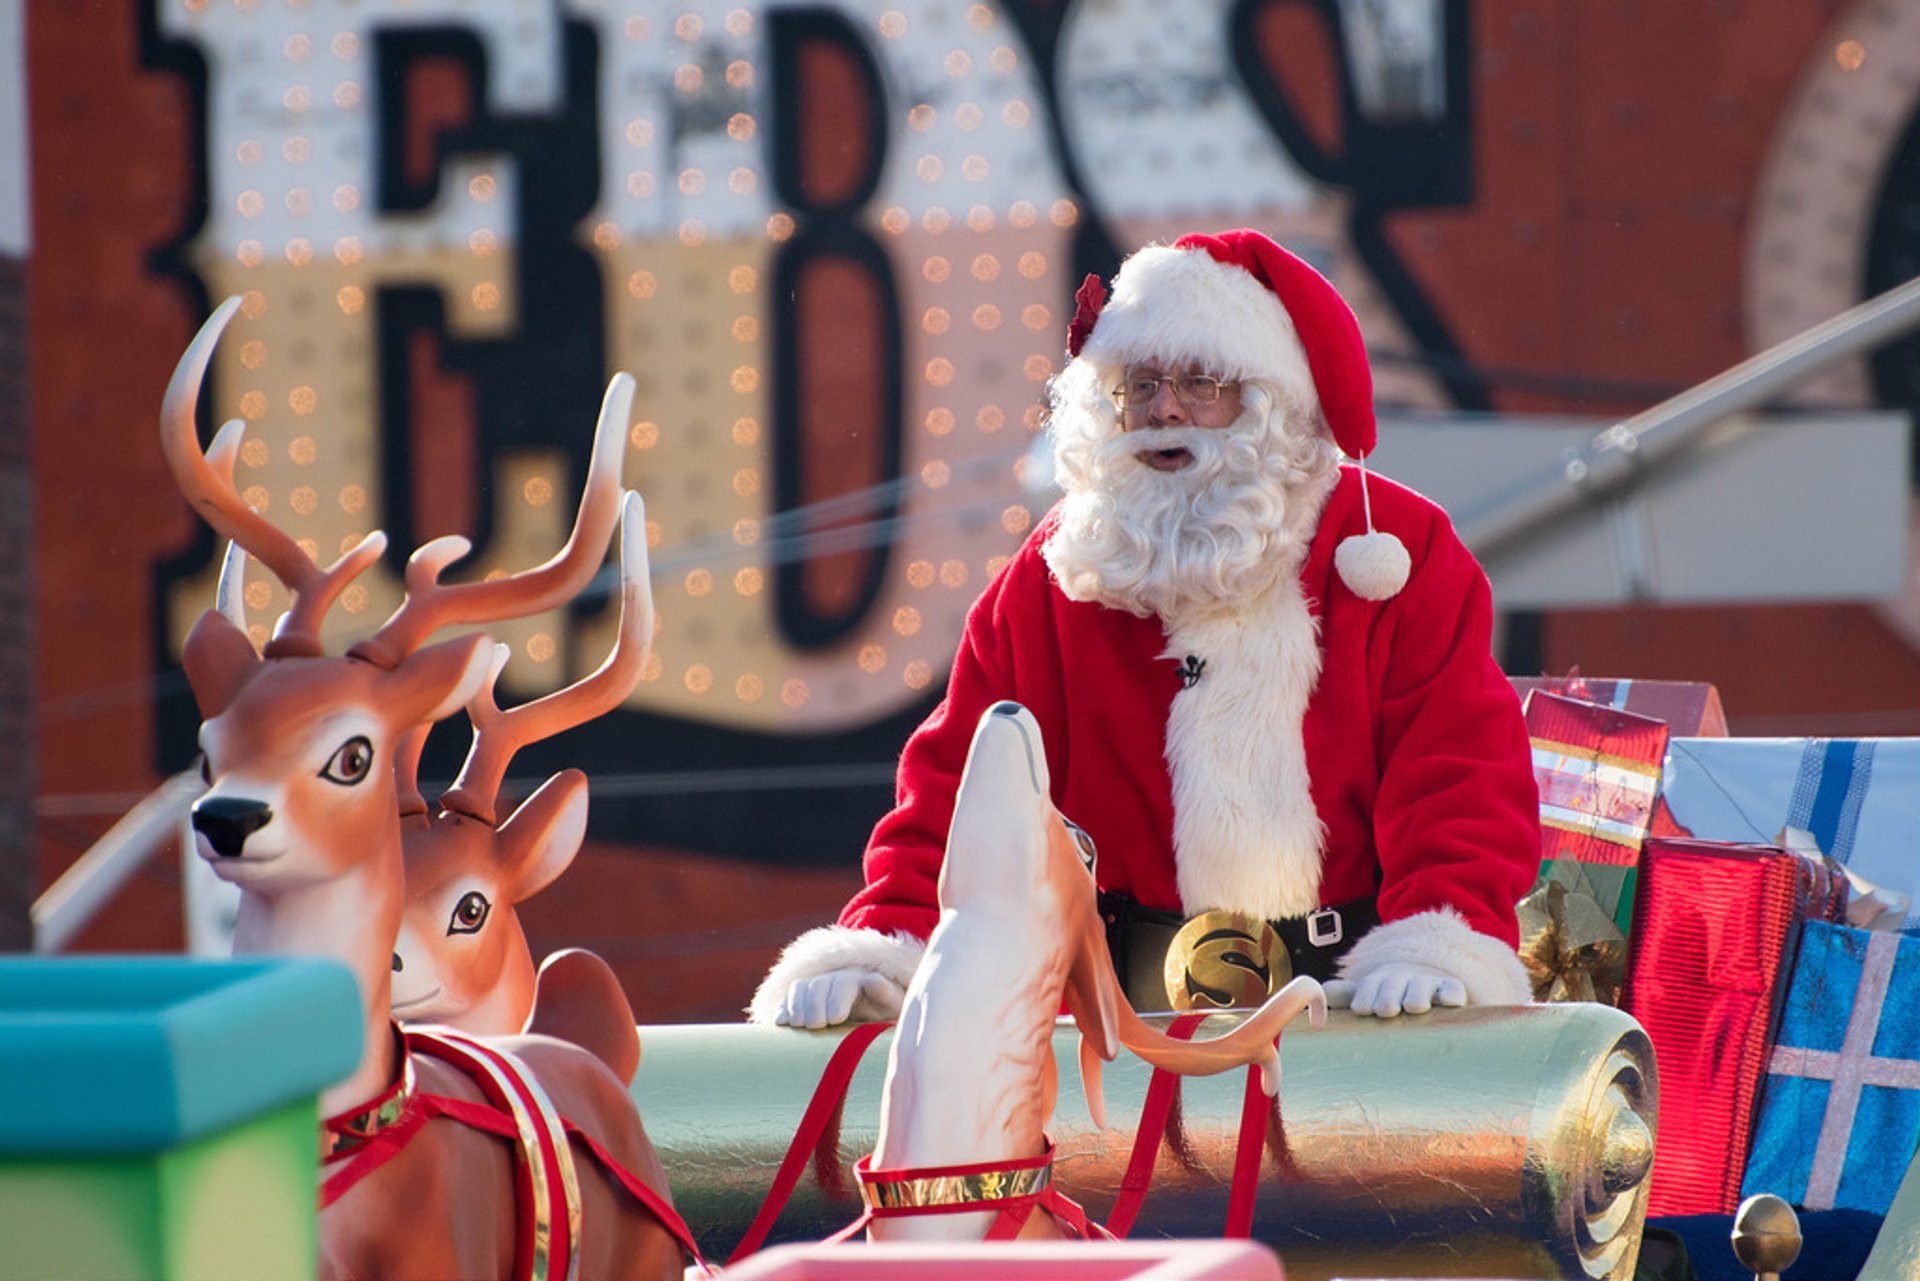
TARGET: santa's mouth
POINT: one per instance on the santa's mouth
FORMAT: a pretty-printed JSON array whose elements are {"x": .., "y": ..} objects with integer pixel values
[{"x": 1165, "y": 459}]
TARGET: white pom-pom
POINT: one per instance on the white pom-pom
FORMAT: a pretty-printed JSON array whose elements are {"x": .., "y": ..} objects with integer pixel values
[{"x": 1374, "y": 566}]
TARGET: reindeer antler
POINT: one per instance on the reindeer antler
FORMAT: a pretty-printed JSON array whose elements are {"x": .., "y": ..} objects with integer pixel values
[
  {"x": 431, "y": 605},
  {"x": 497, "y": 735},
  {"x": 207, "y": 481},
  {"x": 229, "y": 592},
  {"x": 406, "y": 762}
]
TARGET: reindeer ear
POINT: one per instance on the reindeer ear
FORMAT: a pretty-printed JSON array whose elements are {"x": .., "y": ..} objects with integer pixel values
[
  {"x": 538, "y": 842},
  {"x": 219, "y": 659},
  {"x": 429, "y": 685}
]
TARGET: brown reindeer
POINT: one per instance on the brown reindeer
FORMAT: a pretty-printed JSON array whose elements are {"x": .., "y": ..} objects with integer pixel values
[
  {"x": 462, "y": 957},
  {"x": 302, "y": 814}
]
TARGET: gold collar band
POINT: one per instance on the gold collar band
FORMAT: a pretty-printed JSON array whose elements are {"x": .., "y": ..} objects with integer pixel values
[
  {"x": 939, "y": 1188},
  {"x": 341, "y": 1135}
]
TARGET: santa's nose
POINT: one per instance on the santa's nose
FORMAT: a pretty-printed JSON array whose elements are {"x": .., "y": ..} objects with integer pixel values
[{"x": 1165, "y": 407}]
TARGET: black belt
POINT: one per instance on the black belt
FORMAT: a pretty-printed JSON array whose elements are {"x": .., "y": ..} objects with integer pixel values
[{"x": 1224, "y": 959}]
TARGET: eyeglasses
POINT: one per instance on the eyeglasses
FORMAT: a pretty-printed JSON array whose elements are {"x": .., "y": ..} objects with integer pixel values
[{"x": 1138, "y": 387}]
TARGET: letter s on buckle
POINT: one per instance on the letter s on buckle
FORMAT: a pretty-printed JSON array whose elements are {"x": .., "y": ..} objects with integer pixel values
[
  {"x": 1324, "y": 928},
  {"x": 1223, "y": 960}
]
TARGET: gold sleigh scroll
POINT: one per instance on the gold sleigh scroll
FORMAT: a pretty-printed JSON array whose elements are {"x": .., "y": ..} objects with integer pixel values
[{"x": 1509, "y": 1142}]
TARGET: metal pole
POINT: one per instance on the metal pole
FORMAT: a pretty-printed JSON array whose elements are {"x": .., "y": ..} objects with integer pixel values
[
  {"x": 83, "y": 889},
  {"x": 1614, "y": 458}
]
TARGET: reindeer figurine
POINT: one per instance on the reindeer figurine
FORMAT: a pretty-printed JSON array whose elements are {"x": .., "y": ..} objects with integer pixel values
[
  {"x": 462, "y": 957},
  {"x": 302, "y": 814},
  {"x": 970, "y": 1079}
]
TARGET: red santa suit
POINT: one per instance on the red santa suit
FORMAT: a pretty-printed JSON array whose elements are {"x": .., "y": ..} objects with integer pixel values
[{"x": 1332, "y": 747}]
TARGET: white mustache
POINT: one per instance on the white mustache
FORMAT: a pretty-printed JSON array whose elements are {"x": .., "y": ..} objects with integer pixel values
[
  {"x": 1155, "y": 438},
  {"x": 1208, "y": 445}
]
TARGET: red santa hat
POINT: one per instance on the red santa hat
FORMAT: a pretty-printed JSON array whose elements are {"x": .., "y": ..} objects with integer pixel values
[{"x": 1247, "y": 309}]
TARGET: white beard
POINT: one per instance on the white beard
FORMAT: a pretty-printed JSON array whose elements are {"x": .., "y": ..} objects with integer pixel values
[{"x": 1178, "y": 544}]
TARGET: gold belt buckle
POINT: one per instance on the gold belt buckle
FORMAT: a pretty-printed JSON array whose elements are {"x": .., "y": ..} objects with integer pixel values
[{"x": 1223, "y": 960}]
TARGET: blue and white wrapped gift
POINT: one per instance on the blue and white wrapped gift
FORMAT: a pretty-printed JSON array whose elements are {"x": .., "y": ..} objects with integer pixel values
[
  {"x": 1839, "y": 1115},
  {"x": 1858, "y": 798}
]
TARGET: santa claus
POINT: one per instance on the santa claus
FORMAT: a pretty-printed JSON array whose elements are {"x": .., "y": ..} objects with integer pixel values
[{"x": 1263, "y": 677}]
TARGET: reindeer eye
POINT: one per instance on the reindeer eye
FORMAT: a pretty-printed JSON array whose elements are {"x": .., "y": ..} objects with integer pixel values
[
  {"x": 1083, "y": 843},
  {"x": 351, "y": 762},
  {"x": 469, "y": 914}
]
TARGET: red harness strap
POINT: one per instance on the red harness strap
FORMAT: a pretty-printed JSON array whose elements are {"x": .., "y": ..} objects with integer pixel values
[
  {"x": 827, "y": 1098},
  {"x": 1155, "y": 1111},
  {"x": 1155, "y": 1114},
  {"x": 358, "y": 1162},
  {"x": 546, "y": 1185},
  {"x": 1255, "y": 1107}
]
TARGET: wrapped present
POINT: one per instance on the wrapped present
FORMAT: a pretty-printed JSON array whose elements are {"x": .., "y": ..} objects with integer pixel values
[
  {"x": 1840, "y": 907},
  {"x": 1570, "y": 946},
  {"x": 1857, "y": 799},
  {"x": 1713, "y": 925},
  {"x": 1690, "y": 708},
  {"x": 1839, "y": 1117},
  {"x": 1598, "y": 771}
]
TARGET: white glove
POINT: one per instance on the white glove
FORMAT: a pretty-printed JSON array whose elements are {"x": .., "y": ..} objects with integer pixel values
[
  {"x": 840, "y": 996},
  {"x": 1396, "y": 987}
]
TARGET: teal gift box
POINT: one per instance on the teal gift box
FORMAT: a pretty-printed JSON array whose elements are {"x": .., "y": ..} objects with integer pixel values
[
  {"x": 1839, "y": 1115},
  {"x": 159, "y": 1115}
]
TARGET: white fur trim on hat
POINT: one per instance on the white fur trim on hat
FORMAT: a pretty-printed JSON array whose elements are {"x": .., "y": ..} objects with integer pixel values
[
  {"x": 1442, "y": 939},
  {"x": 835, "y": 947},
  {"x": 1374, "y": 565},
  {"x": 1183, "y": 304}
]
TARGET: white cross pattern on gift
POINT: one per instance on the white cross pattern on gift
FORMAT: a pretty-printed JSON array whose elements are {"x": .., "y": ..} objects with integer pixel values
[{"x": 1849, "y": 1068}]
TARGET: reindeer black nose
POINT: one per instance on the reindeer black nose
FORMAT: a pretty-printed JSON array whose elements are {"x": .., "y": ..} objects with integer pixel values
[{"x": 227, "y": 822}]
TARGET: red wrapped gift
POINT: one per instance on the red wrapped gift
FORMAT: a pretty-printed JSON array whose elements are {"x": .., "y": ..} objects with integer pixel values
[
  {"x": 1714, "y": 926},
  {"x": 1598, "y": 771},
  {"x": 1691, "y": 709}
]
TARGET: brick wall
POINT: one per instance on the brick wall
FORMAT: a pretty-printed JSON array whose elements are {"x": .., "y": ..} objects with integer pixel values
[{"x": 17, "y": 880}]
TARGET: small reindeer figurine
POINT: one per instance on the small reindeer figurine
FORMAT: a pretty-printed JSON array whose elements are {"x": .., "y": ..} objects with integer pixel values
[
  {"x": 970, "y": 1079},
  {"x": 462, "y": 957},
  {"x": 302, "y": 814}
]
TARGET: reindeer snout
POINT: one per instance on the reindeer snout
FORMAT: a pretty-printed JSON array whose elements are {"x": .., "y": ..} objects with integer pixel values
[{"x": 227, "y": 822}]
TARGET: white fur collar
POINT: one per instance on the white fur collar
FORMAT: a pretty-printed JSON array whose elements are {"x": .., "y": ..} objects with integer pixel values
[{"x": 1246, "y": 835}]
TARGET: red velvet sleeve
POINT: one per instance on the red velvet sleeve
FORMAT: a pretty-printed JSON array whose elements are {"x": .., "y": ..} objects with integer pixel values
[
  {"x": 902, "y": 862},
  {"x": 1456, "y": 823}
]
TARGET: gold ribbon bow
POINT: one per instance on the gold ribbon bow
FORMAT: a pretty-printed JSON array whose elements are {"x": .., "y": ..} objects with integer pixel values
[{"x": 1570, "y": 946}]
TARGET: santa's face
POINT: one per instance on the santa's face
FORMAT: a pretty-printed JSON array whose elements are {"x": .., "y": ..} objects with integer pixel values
[
  {"x": 1179, "y": 502},
  {"x": 1184, "y": 395}
]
